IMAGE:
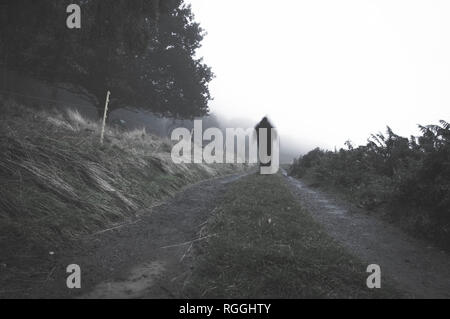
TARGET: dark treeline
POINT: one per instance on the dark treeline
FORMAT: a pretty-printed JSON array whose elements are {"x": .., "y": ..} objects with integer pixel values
[
  {"x": 407, "y": 179},
  {"x": 141, "y": 50}
]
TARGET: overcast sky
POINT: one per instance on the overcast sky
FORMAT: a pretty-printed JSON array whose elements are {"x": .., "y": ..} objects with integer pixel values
[{"x": 328, "y": 71}]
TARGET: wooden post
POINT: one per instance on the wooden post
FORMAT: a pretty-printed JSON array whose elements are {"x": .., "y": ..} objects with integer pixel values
[
  {"x": 104, "y": 116},
  {"x": 4, "y": 9}
]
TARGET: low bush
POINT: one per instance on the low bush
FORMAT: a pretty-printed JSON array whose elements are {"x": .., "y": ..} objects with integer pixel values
[{"x": 409, "y": 179}]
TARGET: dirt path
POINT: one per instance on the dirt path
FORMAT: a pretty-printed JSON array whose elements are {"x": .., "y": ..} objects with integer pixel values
[
  {"x": 147, "y": 258},
  {"x": 144, "y": 259},
  {"x": 159, "y": 244},
  {"x": 420, "y": 270}
]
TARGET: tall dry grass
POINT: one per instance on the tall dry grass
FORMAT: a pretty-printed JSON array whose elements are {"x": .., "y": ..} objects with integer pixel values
[{"x": 59, "y": 183}]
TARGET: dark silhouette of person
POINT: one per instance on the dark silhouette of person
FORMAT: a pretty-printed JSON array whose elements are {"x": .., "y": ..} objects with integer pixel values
[{"x": 265, "y": 123}]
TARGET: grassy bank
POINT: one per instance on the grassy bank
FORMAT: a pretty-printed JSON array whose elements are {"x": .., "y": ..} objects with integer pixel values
[
  {"x": 59, "y": 183},
  {"x": 262, "y": 244}
]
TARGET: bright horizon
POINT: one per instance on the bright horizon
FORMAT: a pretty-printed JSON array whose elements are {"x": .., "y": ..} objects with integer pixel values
[{"x": 329, "y": 71}]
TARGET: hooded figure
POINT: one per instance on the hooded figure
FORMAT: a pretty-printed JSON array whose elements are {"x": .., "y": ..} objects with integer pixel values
[{"x": 260, "y": 139}]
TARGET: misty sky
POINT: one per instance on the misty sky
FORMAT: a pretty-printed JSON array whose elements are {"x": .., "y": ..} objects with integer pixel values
[{"x": 328, "y": 71}]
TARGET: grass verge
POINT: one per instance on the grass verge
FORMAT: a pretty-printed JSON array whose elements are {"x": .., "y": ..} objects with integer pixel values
[{"x": 262, "y": 244}]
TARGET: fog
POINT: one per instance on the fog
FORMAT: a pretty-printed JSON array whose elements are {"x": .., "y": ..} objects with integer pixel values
[{"x": 328, "y": 71}]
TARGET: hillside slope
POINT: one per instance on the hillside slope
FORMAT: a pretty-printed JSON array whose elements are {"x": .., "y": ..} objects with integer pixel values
[{"x": 59, "y": 183}]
